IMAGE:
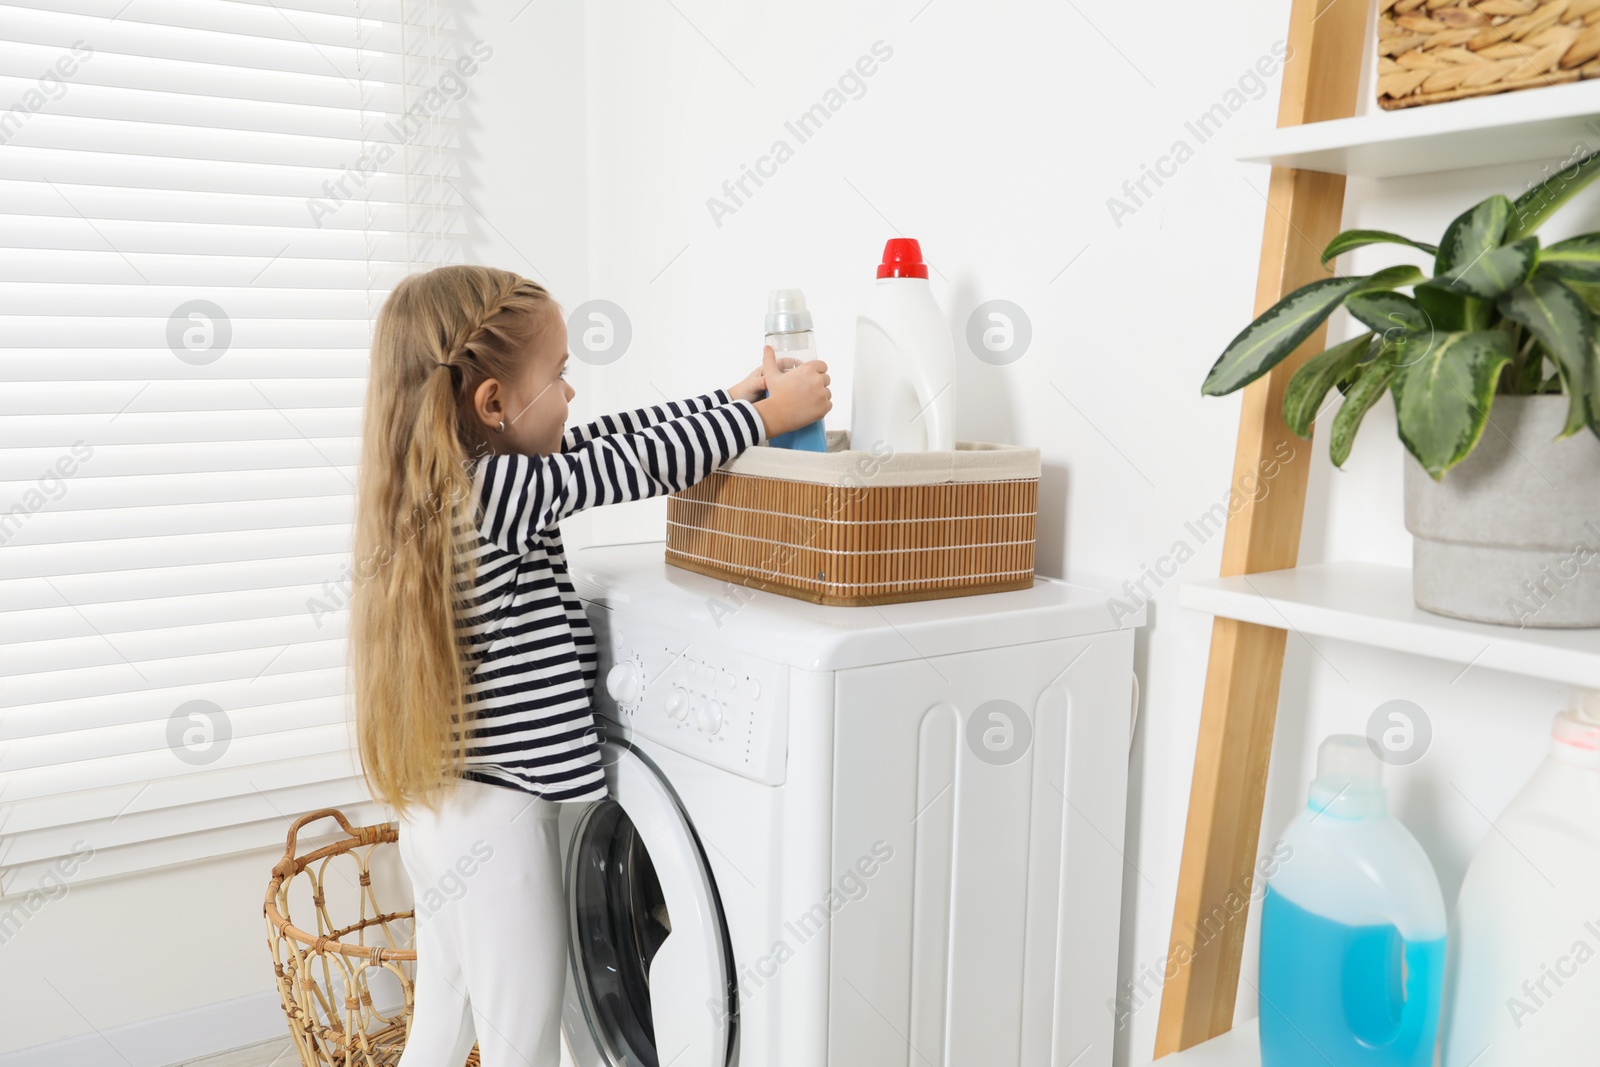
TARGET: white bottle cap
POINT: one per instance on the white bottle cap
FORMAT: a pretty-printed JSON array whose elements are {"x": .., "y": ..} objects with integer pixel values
[
  {"x": 1348, "y": 756},
  {"x": 1349, "y": 782},
  {"x": 786, "y": 311},
  {"x": 1586, "y": 704},
  {"x": 1576, "y": 730}
]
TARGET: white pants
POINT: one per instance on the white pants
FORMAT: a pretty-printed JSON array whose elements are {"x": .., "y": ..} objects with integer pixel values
[{"x": 490, "y": 932}]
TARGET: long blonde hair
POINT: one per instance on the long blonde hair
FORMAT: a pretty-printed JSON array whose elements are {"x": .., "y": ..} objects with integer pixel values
[{"x": 419, "y": 437}]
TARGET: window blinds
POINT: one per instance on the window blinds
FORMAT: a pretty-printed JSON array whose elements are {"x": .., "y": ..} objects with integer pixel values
[{"x": 203, "y": 204}]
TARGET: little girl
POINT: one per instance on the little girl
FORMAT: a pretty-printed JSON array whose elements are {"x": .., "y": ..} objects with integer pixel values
[{"x": 463, "y": 613}]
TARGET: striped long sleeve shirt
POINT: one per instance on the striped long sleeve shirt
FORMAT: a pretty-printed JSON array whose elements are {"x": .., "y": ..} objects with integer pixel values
[{"x": 530, "y": 696}]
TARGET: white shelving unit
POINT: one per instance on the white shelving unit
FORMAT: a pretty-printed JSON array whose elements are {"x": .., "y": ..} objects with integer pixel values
[
  {"x": 1371, "y": 604},
  {"x": 1529, "y": 125},
  {"x": 1548, "y": 127}
]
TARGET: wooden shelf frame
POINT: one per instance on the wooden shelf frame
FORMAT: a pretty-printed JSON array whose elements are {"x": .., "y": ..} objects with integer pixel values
[
  {"x": 1239, "y": 1047},
  {"x": 1305, "y": 209}
]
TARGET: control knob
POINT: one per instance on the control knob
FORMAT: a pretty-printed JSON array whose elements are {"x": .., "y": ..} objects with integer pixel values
[
  {"x": 678, "y": 704},
  {"x": 710, "y": 717},
  {"x": 622, "y": 682}
]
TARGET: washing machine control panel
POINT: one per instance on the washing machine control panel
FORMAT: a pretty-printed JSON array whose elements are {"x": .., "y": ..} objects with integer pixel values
[{"x": 711, "y": 702}]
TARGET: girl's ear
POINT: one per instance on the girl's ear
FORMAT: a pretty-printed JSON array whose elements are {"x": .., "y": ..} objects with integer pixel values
[{"x": 488, "y": 403}]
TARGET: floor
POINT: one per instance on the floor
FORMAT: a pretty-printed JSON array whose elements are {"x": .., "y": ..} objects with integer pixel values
[{"x": 279, "y": 1052}]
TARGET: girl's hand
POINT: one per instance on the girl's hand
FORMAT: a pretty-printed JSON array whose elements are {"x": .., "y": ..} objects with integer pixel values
[
  {"x": 750, "y": 388},
  {"x": 798, "y": 397},
  {"x": 755, "y": 383}
]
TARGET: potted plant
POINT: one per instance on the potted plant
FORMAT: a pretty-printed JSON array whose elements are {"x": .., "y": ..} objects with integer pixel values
[{"x": 1503, "y": 336}]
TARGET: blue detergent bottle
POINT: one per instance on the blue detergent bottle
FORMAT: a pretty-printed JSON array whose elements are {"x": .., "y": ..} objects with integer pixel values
[
  {"x": 791, "y": 337},
  {"x": 1352, "y": 929}
]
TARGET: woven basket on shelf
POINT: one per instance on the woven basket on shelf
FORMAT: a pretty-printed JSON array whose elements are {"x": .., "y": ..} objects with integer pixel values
[
  {"x": 854, "y": 528},
  {"x": 323, "y": 978},
  {"x": 1435, "y": 50}
]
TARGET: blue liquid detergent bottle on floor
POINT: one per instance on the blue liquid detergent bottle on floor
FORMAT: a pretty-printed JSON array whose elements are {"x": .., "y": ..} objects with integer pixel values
[
  {"x": 1352, "y": 930},
  {"x": 791, "y": 337}
]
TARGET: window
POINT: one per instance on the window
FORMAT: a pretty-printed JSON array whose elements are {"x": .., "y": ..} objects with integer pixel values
[{"x": 203, "y": 204}]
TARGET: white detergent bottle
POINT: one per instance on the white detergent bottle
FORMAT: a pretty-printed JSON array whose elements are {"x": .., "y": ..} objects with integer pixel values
[
  {"x": 1524, "y": 974},
  {"x": 903, "y": 388},
  {"x": 1352, "y": 928}
]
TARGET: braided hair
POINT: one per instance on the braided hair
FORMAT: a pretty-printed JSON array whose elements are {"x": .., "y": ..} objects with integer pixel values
[{"x": 414, "y": 507}]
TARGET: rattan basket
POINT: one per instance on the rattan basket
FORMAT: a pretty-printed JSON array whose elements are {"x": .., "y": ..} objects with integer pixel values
[
  {"x": 324, "y": 978},
  {"x": 1435, "y": 50},
  {"x": 857, "y": 527}
]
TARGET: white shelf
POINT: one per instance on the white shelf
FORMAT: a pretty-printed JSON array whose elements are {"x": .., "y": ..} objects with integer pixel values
[
  {"x": 1239, "y": 1047},
  {"x": 1371, "y": 604},
  {"x": 1541, "y": 124}
]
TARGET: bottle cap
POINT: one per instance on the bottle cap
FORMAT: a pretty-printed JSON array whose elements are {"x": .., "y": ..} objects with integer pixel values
[
  {"x": 902, "y": 258},
  {"x": 1349, "y": 782},
  {"x": 1574, "y": 729},
  {"x": 1586, "y": 704},
  {"x": 786, "y": 311},
  {"x": 1348, "y": 756}
]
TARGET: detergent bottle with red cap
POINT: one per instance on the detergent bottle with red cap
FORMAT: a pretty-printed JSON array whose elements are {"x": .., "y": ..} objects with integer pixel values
[
  {"x": 903, "y": 382},
  {"x": 1524, "y": 972}
]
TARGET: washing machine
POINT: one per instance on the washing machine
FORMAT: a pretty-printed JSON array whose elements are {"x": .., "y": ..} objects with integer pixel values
[{"x": 847, "y": 836}]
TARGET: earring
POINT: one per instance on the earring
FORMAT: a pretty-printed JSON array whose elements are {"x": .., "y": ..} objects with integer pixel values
[{"x": 502, "y": 425}]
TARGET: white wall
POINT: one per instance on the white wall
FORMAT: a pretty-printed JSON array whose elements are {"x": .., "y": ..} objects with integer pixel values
[{"x": 995, "y": 133}]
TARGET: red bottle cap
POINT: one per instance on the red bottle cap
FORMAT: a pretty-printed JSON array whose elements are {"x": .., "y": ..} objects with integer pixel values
[{"x": 902, "y": 258}]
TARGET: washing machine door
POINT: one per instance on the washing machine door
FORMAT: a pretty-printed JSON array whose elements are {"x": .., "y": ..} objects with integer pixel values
[{"x": 648, "y": 983}]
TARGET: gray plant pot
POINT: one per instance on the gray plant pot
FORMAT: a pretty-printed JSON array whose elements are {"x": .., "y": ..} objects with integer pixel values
[{"x": 1511, "y": 535}]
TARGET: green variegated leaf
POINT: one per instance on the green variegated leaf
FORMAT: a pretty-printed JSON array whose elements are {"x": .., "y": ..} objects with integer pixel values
[
  {"x": 1585, "y": 383},
  {"x": 1493, "y": 272},
  {"x": 1530, "y": 379},
  {"x": 1264, "y": 343},
  {"x": 1576, "y": 260},
  {"x": 1393, "y": 278},
  {"x": 1352, "y": 239},
  {"x": 1399, "y": 321},
  {"x": 1589, "y": 294},
  {"x": 1442, "y": 396},
  {"x": 1277, "y": 331},
  {"x": 1281, "y": 328},
  {"x": 1370, "y": 384},
  {"x": 1557, "y": 317},
  {"x": 1447, "y": 311},
  {"x": 1302, "y": 399},
  {"x": 1545, "y": 199},
  {"x": 1476, "y": 231},
  {"x": 1575, "y": 384},
  {"x": 1390, "y": 314},
  {"x": 1593, "y": 371}
]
